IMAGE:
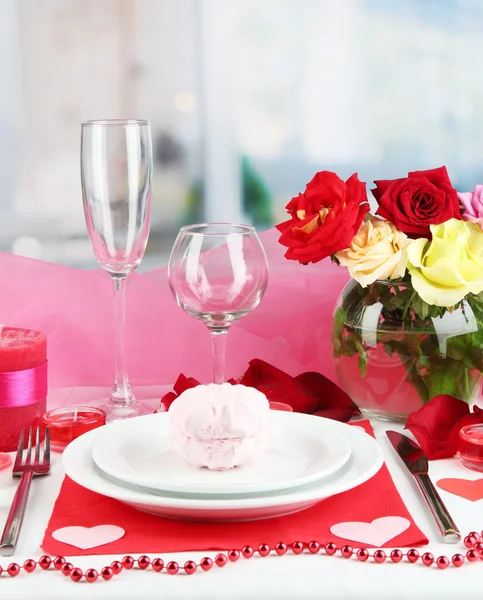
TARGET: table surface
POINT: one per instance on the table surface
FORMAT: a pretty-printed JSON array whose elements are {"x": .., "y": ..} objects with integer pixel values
[{"x": 294, "y": 577}]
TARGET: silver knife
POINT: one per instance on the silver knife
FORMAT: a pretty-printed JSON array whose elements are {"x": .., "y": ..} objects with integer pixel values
[{"x": 417, "y": 464}]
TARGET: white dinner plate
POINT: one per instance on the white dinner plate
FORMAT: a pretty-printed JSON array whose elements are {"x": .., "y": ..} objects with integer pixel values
[
  {"x": 366, "y": 459},
  {"x": 139, "y": 452}
]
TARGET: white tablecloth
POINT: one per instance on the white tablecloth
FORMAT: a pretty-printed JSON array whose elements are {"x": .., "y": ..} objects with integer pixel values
[{"x": 295, "y": 577}]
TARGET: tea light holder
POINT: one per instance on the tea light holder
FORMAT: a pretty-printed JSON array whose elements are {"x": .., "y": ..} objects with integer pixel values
[
  {"x": 70, "y": 422},
  {"x": 471, "y": 446}
]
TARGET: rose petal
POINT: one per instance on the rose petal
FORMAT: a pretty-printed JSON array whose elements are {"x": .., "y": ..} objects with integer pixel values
[
  {"x": 279, "y": 386},
  {"x": 433, "y": 423},
  {"x": 334, "y": 403},
  {"x": 307, "y": 393}
]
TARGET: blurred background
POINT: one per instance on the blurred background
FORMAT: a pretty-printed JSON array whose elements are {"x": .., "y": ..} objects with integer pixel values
[{"x": 246, "y": 99}]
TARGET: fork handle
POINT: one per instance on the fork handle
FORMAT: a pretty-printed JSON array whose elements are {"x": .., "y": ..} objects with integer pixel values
[
  {"x": 15, "y": 516},
  {"x": 444, "y": 521}
]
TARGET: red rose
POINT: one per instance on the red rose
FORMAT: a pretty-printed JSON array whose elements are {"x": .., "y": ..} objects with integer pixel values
[
  {"x": 325, "y": 218},
  {"x": 415, "y": 202}
]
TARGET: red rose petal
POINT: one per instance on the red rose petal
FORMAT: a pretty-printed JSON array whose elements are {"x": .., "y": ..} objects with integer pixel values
[
  {"x": 432, "y": 425},
  {"x": 307, "y": 393},
  {"x": 334, "y": 402}
]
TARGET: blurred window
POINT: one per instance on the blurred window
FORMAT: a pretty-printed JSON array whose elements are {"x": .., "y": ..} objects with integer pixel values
[{"x": 246, "y": 99}]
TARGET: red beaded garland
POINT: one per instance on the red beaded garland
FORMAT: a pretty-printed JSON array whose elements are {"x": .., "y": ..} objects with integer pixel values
[
  {"x": 233, "y": 555},
  {"x": 45, "y": 562},
  {"x": 428, "y": 559},
  {"x": 206, "y": 563},
  {"x": 458, "y": 560},
  {"x": 76, "y": 574},
  {"x": 363, "y": 554},
  {"x": 128, "y": 562},
  {"x": 157, "y": 564},
  {"x": 479, "y": 547},
  {"x": 107, "y": 573},
  {"x": 66, "y": 568},
  {"x": 473, "y": 541},
  {"x": 13, "y": 569},
  {"x": 314, "y": 547},
  {"x": 330, "y": 548},
  {"x": 91, "y": 575},
  {"x": 442, "y": 562},
  {"x": 172, "y": 567},
  {"x": 29, "y": 565},
  {"x": 58, "y": 562},
  {"x": 297, "y": 547},
  {"x": 281, "y": 548},
  {"x": 220, "y": 560},
  {"x": 189, "y": 567},
  {"x": 396, "y": 556},
  {"x": 472, "y": 555},
  {"x": 144, "y": 562},
  {"x": 412, "y": 555},
  {"x": 116, "y": 567}
]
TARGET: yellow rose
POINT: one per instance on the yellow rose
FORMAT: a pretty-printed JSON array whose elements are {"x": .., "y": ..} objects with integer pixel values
[
  {"x": 449, "y": 266},
  {"x": 378, "y": 251}
]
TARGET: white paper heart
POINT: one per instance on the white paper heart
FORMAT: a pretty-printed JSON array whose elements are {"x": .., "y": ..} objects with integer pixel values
[
  {"x": 376, "y": 533},
  {"x": 88, "y": 537}
]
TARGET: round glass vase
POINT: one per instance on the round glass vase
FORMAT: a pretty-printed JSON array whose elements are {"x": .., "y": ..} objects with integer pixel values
[{"x": 393, "y": 352}]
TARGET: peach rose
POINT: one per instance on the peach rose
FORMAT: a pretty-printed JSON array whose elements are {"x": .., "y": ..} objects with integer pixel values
[{"x": 378, "y": 251}]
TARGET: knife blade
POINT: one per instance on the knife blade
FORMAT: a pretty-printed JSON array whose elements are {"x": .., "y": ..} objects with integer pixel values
[{"x": 416, "y": 462}]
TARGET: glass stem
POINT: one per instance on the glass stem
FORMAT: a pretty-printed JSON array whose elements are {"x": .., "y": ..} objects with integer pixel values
[
  {"x": 121, "y": 392},
  {"x": 218, "y": 343}
]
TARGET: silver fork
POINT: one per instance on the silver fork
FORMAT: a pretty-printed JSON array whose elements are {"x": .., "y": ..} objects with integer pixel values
[{"x": 26, "y": 468}]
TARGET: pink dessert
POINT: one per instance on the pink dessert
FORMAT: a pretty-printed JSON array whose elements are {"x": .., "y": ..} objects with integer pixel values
[{"x": 220, "y": 426}]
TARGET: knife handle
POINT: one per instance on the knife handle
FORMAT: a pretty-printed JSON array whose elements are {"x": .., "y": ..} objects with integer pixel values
[{"x": 446, "y": 525}]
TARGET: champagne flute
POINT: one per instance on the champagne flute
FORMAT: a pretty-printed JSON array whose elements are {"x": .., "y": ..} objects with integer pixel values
[
  {"x": 218, "y": 273},
  {"x": 116, "y": 174}
]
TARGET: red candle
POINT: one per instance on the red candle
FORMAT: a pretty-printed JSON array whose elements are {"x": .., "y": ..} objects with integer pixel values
[
  {"x": 23, "y": 382},
  {"x": 21, "y": 349},
  {"x": 68, "y": 423},
  {"x": 471, "y": 446}
]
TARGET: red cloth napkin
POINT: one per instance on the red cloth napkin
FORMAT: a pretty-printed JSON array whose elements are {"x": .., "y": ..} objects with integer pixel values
[{"x": 146, "y": 533}]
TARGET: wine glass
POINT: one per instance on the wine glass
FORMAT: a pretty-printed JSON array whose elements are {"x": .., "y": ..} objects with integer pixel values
[
  {"x": 116, "y": 174},
  {"x": 218, "y": 273}
]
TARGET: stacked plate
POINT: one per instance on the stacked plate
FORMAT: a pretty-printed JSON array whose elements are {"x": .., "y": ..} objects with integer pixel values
[{"x": 308, "y": 459}]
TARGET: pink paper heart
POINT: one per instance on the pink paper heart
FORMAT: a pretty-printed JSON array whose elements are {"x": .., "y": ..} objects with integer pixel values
[
  {"x": 376, "y": 533},
  {"x": 88, "y": 537},
  {"x": 466, "y": 488}
]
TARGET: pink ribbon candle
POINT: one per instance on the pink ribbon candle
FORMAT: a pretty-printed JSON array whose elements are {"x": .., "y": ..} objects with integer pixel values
[{"x": 23, "y": 382}]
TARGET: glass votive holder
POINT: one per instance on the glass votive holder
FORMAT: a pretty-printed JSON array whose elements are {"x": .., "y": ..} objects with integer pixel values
[
  {"x": 68, "y": 423},
  {"x": 471, "y": 446}
]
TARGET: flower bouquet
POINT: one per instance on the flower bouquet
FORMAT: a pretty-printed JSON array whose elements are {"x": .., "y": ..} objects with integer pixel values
[{"x": 409, "y": 325}]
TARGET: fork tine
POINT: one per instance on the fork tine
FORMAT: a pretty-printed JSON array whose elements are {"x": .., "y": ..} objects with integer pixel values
[
  {"x": 21, "y": 445},
  {"x": 37, "y": 445},
  {"x": 28, "y": 459},
  {"x": 47, "y": 446}
]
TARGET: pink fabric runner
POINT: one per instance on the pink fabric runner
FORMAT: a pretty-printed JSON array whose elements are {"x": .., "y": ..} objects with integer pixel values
[{"x": 290, "y": 329}]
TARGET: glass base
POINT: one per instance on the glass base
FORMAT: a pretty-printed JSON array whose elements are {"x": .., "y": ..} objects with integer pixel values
[
  {"x": 384, "y": 416},
  {"x": 119, "y": 412}
]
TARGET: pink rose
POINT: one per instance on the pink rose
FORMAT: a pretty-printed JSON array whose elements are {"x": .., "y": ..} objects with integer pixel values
[{"x": 472, "y": 205}]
